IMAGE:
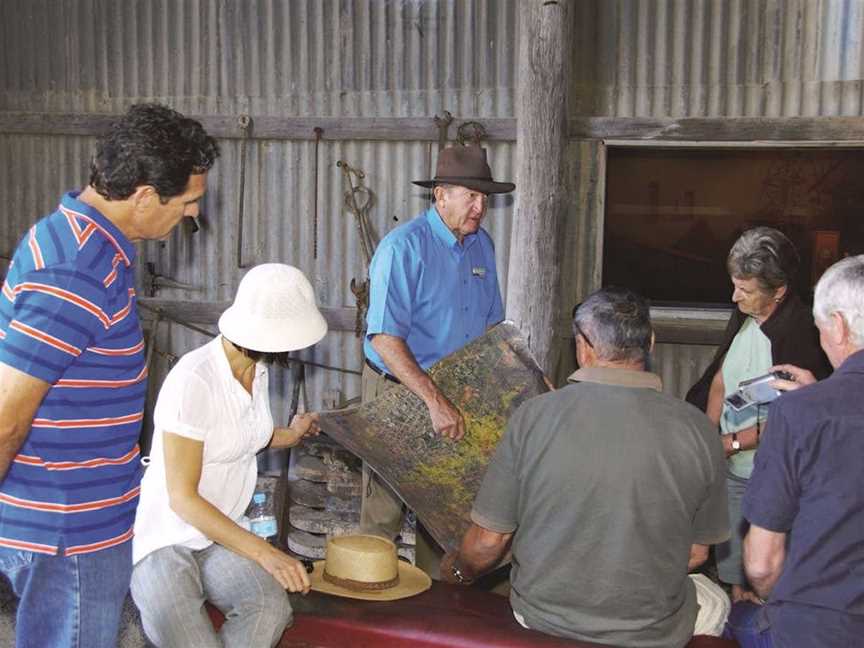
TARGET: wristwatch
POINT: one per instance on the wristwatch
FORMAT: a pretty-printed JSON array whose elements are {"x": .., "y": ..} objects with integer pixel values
[
  {"x": 736, "y": 444},
  {"x": 458, "y": 575}
]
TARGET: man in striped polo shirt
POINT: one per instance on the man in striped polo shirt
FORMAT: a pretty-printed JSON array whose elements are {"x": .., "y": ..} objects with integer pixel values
[{"x": 73, "y": 378}]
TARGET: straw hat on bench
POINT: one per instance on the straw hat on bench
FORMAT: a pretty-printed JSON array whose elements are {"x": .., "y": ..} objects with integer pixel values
[{"x": 366, "y": 567}]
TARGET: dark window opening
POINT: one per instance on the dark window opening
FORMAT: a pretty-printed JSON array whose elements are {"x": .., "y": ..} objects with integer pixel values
[{"x": 673, "y": 214}]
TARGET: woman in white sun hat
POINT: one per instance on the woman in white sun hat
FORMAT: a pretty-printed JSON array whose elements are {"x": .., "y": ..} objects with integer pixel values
[{"x": 211, "y": 418}]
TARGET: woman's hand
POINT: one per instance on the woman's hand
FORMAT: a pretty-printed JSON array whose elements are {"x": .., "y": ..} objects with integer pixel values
[
  {"x": 302, "y": 425},
  {"x": 290, "y": 573},
  {"x": 305, "y": 424},
  {"x": 800, "y": 377}
]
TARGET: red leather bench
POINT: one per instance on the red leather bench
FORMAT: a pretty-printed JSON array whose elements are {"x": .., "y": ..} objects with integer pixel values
[{"x": 445, "y": 616}]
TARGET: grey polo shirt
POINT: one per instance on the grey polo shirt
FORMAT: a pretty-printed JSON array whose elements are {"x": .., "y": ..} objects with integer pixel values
[{"x": 606, "y": 484}]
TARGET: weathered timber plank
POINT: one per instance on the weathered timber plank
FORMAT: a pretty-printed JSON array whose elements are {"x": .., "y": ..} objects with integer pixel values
[
  {"x": 688, "y": 332},
  {"x": 690, "y": 129},
  {"x": 720, "y": 129},
  {"x": 264, "y": 127},
  {"x": 536, "y": 244},
  {"x": 196, "y": 312}
]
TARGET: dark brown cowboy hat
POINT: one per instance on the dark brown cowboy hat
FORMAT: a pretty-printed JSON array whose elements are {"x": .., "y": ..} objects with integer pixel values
[{"x": 466, "y": 166}]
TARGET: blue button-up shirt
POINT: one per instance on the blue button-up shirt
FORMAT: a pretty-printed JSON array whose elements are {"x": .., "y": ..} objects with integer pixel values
[
  {"x": 430, "y": 290},
  {"x": 807, "y": 483}
]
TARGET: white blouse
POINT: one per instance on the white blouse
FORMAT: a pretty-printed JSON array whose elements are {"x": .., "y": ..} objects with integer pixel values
[{"x": 200, "y": 399}]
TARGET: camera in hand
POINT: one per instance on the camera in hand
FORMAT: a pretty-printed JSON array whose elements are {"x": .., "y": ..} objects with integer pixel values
[{"x": 756, "y": 391}]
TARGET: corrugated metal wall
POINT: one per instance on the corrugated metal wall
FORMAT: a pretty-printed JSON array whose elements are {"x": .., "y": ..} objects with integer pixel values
[
  {"x": 265, "y": 57},
  {"x": 379, "y": 58},
  {"x": 719, "y": 58}
]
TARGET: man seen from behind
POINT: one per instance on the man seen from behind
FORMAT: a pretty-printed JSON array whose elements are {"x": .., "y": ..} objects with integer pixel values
[{"x": 608, "y": 492}]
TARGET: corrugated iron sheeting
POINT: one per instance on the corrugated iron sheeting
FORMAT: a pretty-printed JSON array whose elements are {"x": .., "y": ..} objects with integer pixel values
[
  {"x": 681, "y": 365},
  {"x": 653, "y": 58},
  {"x": 34, "y": 173},
  {"x": 268, "y": 57}
]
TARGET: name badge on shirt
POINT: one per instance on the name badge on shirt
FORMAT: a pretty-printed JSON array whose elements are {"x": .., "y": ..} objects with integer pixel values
[{"x": 478, "y": 271}]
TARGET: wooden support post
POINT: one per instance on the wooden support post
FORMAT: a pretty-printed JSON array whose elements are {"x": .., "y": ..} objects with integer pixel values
[{"x": 541, "y": 147}]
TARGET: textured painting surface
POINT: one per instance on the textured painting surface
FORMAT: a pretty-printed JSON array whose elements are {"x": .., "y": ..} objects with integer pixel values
[{"x": 438, "y": 478}]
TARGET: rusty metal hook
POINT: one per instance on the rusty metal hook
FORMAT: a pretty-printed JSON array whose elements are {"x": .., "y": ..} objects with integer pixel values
[
  {"x": 351, "y": 203},
  {"x": 471, "y": 131}
]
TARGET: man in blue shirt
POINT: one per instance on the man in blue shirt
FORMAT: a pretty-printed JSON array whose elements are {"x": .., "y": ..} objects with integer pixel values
[
  {"x": 804, "y": 553},
  {"x": 73, "y": 379},
  {"x": 433, "y": 289}
]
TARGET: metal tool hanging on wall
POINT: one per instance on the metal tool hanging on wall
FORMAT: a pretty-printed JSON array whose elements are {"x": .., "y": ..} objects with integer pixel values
[
  {"x": 471, "y": 132},
  {"x": 358, "y": 199},
  {"x": 153, "y": 281},
  {"x": 443, "y": 125},
  {"x": 245, "y": 124},
  {"x": 298, "y": 387},
  {"x": 318, "y": 133}
]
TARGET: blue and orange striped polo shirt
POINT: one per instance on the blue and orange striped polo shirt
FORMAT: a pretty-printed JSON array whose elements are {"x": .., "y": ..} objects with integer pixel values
[{"x": 68, "y": 316}]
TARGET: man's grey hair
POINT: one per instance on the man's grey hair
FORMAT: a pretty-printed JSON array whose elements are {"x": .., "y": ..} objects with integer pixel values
[
  {"x": 445, "y": 186},
  {"x": 764, "y": 254},
  {"x": 616, "y": 322},
  {"x": 841, "y": 290}
]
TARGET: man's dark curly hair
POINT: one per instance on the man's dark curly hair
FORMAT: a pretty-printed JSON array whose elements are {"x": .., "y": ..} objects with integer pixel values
[{"x": 151, "y": 145}]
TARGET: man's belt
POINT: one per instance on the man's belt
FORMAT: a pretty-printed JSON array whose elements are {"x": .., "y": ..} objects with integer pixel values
[{"x": 386, "y": 375}]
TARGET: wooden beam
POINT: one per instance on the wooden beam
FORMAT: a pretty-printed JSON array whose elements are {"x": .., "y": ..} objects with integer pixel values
[
  {"x": 720, "y": 129},
  {"x": 207, "y": 313},
  {"x": 807, "y": 130},
  {"x": 399, "y": 129},
  {"x": 541, "y": 153},
  {"x": 688, "y": 332}
]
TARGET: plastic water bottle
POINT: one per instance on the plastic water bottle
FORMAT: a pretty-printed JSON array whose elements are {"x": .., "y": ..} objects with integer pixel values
[{"x": 261, "y": 518}]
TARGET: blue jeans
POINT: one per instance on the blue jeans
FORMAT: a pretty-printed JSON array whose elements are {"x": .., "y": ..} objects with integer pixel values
[
  {"x": 170, "y": 586},
  {"x": 730, "y": 565},
  {"x": 73, "y": 601},
  {"x": 748, "y": 626}
]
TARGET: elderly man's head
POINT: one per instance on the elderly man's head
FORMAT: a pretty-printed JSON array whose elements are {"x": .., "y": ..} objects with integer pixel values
[
  {"x": 613, "y": 327},
  {"x": 838, "y": 308},
  {"x": 462, "y": 209}
]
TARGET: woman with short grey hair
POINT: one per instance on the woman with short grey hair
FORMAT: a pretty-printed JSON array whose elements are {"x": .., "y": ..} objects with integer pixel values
[
  {"x": 770, "y": 326},
  {"x": 767, "y": 255}
]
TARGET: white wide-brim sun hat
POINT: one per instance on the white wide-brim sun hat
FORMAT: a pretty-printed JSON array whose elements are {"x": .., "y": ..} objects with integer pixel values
[{"x": 274, "y": 311}]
